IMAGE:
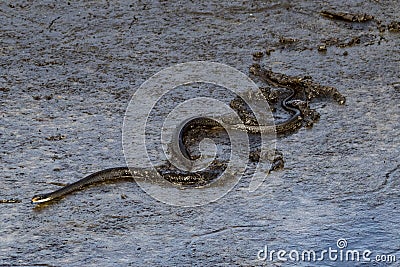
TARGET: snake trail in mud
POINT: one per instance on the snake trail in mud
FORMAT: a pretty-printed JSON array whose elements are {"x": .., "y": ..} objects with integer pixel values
[{"x": 201, "y": 178}]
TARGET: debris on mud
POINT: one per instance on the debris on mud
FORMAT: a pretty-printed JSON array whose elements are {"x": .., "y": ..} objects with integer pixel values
[
  {"x": 285, "y": 40},
  {"x": 347, "y": 16},
  {"x": 394, "y": 26},
  {"x": 258, "y": 55},
  {"x": 275, "y": 157},
  {"x": 322, "y": 48},
  {"x": 304, "y": 88},
  {"x": 56, "y": 137},
  {"x": 304, "y": 84},
  {"x": 10, "y": 201}
]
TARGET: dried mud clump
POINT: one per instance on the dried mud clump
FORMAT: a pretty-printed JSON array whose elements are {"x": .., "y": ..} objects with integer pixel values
[
  {"x": 304, "y": 84},
  {"x": 394, "y": 26},
  {"x": 350, "y": 17},
  {"x": 274, "y": 89}
]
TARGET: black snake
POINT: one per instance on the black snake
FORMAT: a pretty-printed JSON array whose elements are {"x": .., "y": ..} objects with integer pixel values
[
  {"x": 185, "y": 178},
  {"x": 198, "y": 178}
]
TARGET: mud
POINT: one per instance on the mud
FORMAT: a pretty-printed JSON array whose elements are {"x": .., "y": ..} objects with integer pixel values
[
  {"x": 68, "y": 70},
  {"x": 347, "y": 16}
]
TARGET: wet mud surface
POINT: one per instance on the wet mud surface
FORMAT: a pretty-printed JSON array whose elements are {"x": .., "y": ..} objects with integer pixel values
[{"x": 68, "y": 71}]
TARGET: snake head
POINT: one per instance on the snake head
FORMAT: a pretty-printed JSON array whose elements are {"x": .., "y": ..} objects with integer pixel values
[{"x": 40, "y": 199}]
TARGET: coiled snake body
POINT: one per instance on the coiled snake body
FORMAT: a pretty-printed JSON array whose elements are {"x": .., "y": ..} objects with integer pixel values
[
  {"x": 189, "y": 178},
  {"x": 125, "y": 173}
]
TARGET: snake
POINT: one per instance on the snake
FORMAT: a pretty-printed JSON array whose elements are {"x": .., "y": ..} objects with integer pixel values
[
  {"x": 290, "y": 124},
  {"x": 185, "y": 178},
  {"x": 107, "y": 175},
  {"x": 182, "y": 178},
  {"x": 118, "y": 174},
  {"x": 294, "y": 122}
]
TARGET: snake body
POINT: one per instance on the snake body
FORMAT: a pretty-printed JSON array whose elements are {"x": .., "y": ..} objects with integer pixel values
[
  {"x": 107, "y": 175},
  {"x": 295, "y": 84},
  {"x": 291, "y": 124},
  {"x": 124, "y": 173}
]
